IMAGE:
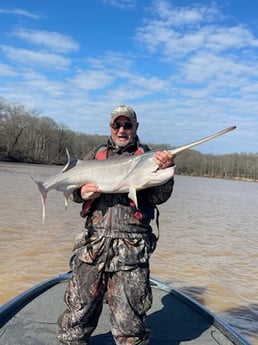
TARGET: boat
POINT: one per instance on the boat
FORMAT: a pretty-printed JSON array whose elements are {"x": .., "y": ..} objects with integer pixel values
[{"x": 175, "y": 318}]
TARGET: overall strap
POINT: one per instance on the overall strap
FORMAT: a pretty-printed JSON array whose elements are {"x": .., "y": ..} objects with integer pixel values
[{"x": 101, "y": 152}]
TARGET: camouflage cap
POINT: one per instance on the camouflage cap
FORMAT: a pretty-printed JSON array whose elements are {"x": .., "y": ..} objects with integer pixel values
[{"x": 123, "y": 110}]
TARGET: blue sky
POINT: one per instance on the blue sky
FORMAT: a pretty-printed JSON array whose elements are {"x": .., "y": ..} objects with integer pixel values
[{"x": 188, "y": 68}]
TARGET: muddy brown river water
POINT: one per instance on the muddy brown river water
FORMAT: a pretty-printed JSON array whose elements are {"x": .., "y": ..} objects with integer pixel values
[{"x": 208, "y": 243}]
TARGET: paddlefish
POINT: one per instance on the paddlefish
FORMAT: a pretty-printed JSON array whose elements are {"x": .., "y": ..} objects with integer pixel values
[{"x": 117, "y": 175}]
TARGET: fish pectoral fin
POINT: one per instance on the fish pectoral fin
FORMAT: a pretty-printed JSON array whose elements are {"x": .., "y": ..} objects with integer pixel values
[
  {"x": 65, "y": 202},
  {"x": 67, "y": 196},
  {"x": 132, "y": 195}
]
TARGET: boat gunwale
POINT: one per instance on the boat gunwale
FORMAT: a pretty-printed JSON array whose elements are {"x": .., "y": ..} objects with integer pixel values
[
  {"x": 224, "y": 327},
  {"x": 10, "y": 308}
]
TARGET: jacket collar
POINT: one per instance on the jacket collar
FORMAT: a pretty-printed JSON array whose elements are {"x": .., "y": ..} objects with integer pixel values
[{"x": 130, "y": 147}]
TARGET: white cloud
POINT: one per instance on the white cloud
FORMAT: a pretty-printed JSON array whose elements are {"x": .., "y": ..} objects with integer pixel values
[
  {"x": 204, "y": 67},
  {"x": 122, "y": 4},
  {"x": 29, "y": 57},
  {"x": 181, "y": 38},
  {"x": 92, "y": 80},
  {"x": 180, "y": 16},
  {"x": 6, "y": 70},
  {"x": 37, "y": 81},
  {"x": 20, "y": 12},
  {"x": 51, "y": 40}
]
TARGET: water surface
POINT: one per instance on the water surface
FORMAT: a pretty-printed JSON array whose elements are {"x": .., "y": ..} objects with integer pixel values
[{"x": 208, "y": 243}]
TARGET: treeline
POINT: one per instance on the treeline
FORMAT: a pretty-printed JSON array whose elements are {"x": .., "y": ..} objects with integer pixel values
[
  {"x": 233, "y": 166},
  {"x": 25, "y": 136}
]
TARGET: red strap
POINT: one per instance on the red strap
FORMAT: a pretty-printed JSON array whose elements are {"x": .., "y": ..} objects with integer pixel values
[
  {"x": 139, "y": 151},
  {"x": 102, "y": 154}
]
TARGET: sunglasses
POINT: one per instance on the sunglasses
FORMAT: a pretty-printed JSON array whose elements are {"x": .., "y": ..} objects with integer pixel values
[{"x": 125, "y": 125}]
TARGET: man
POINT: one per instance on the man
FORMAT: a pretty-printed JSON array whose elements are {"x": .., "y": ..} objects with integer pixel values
[{"x": 112, "y": 254}]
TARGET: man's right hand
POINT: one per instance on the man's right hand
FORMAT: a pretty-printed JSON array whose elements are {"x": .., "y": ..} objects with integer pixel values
[{"x": 90, "y": 191}]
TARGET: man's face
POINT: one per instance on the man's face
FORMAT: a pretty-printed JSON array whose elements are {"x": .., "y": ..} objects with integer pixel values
[{"x": 123, "y": 130}]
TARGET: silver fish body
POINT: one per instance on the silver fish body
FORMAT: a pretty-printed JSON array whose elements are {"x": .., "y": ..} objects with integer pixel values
[{"x": 118, "y": 175}]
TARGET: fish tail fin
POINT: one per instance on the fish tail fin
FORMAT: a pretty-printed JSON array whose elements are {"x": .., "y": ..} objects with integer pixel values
[{"x": 43, "y": 193}]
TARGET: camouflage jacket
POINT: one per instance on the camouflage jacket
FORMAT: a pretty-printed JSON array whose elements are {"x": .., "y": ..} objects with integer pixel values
[{"x": 118, "y": 235}]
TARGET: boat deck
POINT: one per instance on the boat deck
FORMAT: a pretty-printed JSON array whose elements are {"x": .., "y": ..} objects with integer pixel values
[{"x": 173, "y": 320}]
